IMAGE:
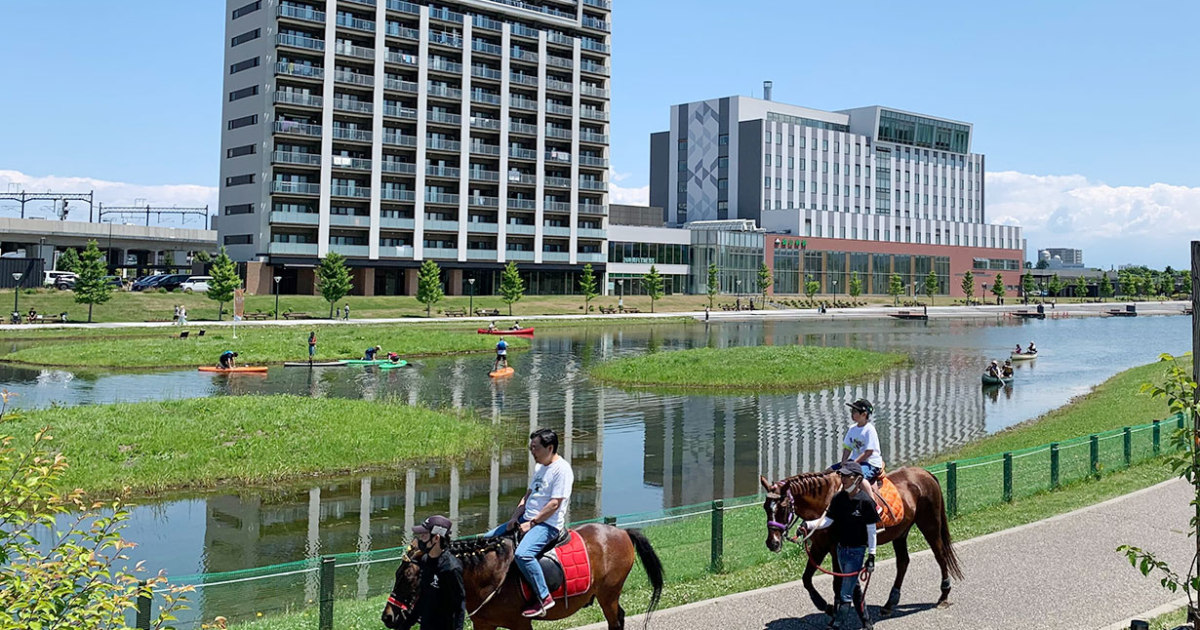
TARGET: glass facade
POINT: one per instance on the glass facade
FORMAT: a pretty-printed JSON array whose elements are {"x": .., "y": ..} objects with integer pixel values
[
  {"x": 919, "y": 131},
  {"x": 738, "y": 255},
  {"x": 649, "y": 253},
  {"x": 832, "y": 270}
]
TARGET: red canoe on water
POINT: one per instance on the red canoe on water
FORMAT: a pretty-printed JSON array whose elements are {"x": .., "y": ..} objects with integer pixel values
[{"x": 519, "y": 331}]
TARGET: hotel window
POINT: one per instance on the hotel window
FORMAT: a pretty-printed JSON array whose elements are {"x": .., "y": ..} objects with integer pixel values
[
  {"x": 824, "y": 167},
  {"x": 846, "y": 191},
  {"x": 778, "y": 137},
  {"x": 723, "y": 162},
  {"x": 824, "y": 145},
  {"x": 723, "y": 139},
  {"x": 766, "y": 182},
  {"x": 801, "y": 142},
  {"x": 767, "y": 135},
  {"x": 778, "y": 184},
  {"x": 857, "y": 191},
  {"x": 791, "y": 184},
  {"x": 800, "y": 185},
  {"x": 824, "y": 188},
  {"x": 767, "y": 159},
  {"x": 722, "y": 184},
  {"x": 791, "y": 140},
  {"x": 835, "y": 190},
  {"x": 791, "y": 162},
  {"x": 802, "y": 164},
  {"x": 836, "y": 147}
]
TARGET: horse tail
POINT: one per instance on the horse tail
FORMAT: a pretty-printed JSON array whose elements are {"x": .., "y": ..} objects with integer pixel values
[
  {"x": 652, "y": 565},
  {"x": 952, "y": 565}
]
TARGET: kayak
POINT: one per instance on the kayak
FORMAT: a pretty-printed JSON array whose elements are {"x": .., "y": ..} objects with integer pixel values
[
  {"x": 1025, "y": 356},
  {"x": 314, "y": 364},
  {"x": 519, "y": 331},
  {"x": 366, "y": 361},
  {"x": 389, "y": 365},
  {"x": 506, "y": 371},
  {"x": 988, "y": 379},
  {"x": 258, "y": 369}
]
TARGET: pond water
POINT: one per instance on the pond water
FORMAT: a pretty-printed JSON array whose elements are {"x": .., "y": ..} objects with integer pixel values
[{"x": 631, "y": 451}]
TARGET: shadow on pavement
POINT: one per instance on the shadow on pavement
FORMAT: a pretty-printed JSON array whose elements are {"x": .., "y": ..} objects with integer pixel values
[{"x": 820, "y": 621}]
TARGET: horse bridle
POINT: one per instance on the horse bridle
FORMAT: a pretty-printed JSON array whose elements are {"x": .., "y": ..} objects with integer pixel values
[{"x": 783, "y": 528}]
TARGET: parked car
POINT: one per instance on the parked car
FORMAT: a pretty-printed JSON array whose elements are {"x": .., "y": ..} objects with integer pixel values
[
  {"x": 116, "y": 281},
  {"x": 51, "y": 278},
  {"x": 171, "y": 282},
  {"x": 195, "y": 283},
  {"x": 147, "y": 281}
]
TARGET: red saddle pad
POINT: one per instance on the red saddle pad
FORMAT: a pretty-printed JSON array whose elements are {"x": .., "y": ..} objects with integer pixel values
[{"x": 576, "y": 566}]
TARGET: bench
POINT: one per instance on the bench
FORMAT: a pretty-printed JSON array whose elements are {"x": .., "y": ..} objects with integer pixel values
[
  {"x": 483, "y": 312},
  {"x": 257, "y": 315},
  {"x": 455, "y": 312},
  {"x": 296, "y": 316},
  {"x": 608, "y": 311},
  {"x": 631, "y": 310}
]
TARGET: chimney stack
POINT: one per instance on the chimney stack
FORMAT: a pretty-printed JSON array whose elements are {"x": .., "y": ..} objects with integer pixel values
[{"x": 767, "y": 90}]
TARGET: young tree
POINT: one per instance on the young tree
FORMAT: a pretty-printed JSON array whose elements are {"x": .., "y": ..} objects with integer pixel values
[
  {"x": 333, "y": 279},
  {"x": 811, "y": 286},
  {"x": 203, "y": 257},
  {"x": 1081, "y": 288},
  {"x": 429, "y": 285},
  {"x": 714, "y": 283},
  {"x": 764, "y": 281},
  {"x": 1128, "y": 282},
  {"x": 1027, "y": 285},
  {"x": 895, "y": 287},
  {"x": 92, "y": 286},
  {"x": 587, "y": 284},
  {"x": 1185, "y": 281},
  {"x": 855, "y": 285},
  {"x": 69, "y": 260},
  {"x": 931, "y": 285},
  {"x": 652, "y": 282},
  {"x": 1055, "y": 286},
  {"x": 225, "y": 281},
  {"x": 512, "y": 287},
  {"x": 998, "y": 288},
  {"x": 1106, "y": 287},
  {"x": 968, "y": 285}
]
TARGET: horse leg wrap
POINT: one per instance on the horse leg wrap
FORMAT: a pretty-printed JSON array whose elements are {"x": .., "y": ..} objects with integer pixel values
[{"x": 946, "y": 585}]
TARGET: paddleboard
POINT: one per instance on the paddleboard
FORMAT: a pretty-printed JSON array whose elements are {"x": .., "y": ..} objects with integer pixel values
[
  {"x": 389, "y": 365},
  {"x": 365, "y": 361},
  {"x": 259, "y": 369},
  {"x": 506, "y": 371},
  {"x": 314, "y": 364}
]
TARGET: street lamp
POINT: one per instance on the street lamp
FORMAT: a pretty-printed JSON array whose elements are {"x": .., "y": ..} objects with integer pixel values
[
  {"x": 17, "y": 275},
  {"x": 737, "y": 283},
  {"x": 621, "y": 294},
  {"x": 471, "y": 308},
  {"x": 277, "y": 279}
]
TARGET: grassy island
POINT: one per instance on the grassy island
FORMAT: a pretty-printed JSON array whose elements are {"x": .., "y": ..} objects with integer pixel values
[
  {"x": 209, "y": 442},
  {"x": 162, "y": 348},
  {"x": 762, "y": 368}
]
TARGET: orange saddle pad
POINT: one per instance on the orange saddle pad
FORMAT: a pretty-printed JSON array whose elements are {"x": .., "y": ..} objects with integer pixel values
[{"x": 890, "y": 504}]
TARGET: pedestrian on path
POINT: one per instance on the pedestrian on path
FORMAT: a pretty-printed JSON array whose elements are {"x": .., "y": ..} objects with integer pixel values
[
  {"x": 851, "y": 517},
  {"x": 182, "y": 315},
  {"x": 175, "y": 318},
  {"x": 347, "y": 315},
  {"x": 312, "y": 345}
]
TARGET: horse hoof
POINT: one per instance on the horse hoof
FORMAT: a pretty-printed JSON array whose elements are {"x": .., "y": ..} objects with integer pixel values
[
  {"x": 886, "y": 611},
  {"x": 943, "y": 604}
]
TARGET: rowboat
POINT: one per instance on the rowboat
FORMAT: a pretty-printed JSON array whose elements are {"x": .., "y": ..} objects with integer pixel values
[
  {"x": 314, "y": 364},
  {"x": 1024, "y": 356},
  {"x": 245, "y": 369},
  {"x": 519, "y": 331},
  {"x": 1029, "y": 315},
  {"x": 989, "y": 380},
  {"x": 908, "y": 315}
]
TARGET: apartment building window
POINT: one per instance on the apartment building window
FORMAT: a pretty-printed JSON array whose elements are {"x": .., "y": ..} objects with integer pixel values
[
  {"x": 835, "y": 190},
  {"x": 766, "y": 182},
  {"x": 682, "y": 186},
  {"x": 246, "y": 37},
  {"x": 767, "y": 159},
  {"x": 857, "y": 191},
  {"x": 244, "y": 121},
  {"x": 791, "y": 184},
  {"x": 824, "y": 167},
  {"x": 248, "y": 149},
  {"x": 683, "y": 166},
  {"x": 722, "y": 205},
  {"x": 800, "y": 185},
  {"x": 723, "y": 139},
  {"x": 722, "y": 184},
  {"x": 249, "y": 8},
  {"x": 837, "y": 147},
  {"x": 238, "y": 180},
  {"x": 836, "y": 168},
  {"x": 802, "y": 164},
  {"x": 778, "y": 184},
  {"x": 801, "y": 142},
  {"x": 791, "y": 162},
  {"x": 682, "y": 146},
  {"x": 243, "y": 65},
  {"x": 723, "y": 162},
  {"x": 824, "y": 145},
  {"x": 241, "y": 208},
  {"x": 767, "y": 136},
  {"x": 239, "y": 239},
  {"x": 791, "y": 140},
  {"x": 243, "y": 93}
]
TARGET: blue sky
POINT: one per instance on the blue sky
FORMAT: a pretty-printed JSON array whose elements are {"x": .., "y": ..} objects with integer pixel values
[{"x": 1085, "y": 110}]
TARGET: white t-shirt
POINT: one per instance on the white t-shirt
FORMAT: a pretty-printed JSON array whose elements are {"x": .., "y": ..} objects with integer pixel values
[
  {"x": 550, "y": 482},
  {"x": 859, "y": 439}
]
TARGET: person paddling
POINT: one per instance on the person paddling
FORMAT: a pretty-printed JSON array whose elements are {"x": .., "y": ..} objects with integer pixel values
[{"x": 228, "y": 360}]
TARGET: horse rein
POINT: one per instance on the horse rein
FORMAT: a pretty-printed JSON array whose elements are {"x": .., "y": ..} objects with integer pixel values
[{"x": 489, "y": 597}]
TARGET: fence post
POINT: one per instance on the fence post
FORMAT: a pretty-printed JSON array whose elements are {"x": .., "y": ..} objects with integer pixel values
[
  {"x": 717, "y": 563},
  {"x": 952, "y": 489},
  {"x": 1008, "y": 478},
  {"x": 325, "y": 621},
  {"x": 1128, "y": 434},
  {"x": 1094, "y": 454},
  {"x": 143, "y": 608},
  {"x": 1054, "y": 465},
  {"x": 1157, "y": 438}
]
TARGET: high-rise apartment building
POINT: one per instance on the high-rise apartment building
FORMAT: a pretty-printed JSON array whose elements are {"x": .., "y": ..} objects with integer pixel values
[
  {"x": 1064, "y": 256},
  {"x": 471, "y": 132}
]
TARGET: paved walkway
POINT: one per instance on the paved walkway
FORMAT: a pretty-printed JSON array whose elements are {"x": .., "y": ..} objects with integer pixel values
[{"x": 1062, "y": 572}]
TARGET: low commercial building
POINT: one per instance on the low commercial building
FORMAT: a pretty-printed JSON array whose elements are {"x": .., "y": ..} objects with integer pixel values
[{"x": 131, "y": 249}]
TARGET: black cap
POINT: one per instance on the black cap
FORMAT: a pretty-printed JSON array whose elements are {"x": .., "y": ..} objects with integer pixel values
[
  {"x": 850, "y": 468},
  {"x": 437, "y": 525},
  {"x": 862, "y": 404}
]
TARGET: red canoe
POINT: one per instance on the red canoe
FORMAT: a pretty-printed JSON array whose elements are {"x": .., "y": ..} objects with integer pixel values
[{"x": 519, "y": 331}]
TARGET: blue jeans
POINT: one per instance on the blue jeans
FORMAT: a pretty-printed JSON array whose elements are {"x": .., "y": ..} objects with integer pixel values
[
  {"x": 870, "y": 471},
  {"x": 850, "y": 559},
  {"x": 534, "y": 541}
]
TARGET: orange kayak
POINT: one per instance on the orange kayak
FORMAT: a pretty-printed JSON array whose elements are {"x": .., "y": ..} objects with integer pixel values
[
  {"x": 245, "y": 368},
  {"x": 506, "y": 371}
]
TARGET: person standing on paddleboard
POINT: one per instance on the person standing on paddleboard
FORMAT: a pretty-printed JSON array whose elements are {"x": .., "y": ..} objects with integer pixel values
[{"x": 501, "y": 354}]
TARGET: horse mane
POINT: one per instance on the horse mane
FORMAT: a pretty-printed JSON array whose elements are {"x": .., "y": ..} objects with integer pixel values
[
  {"x": 474, "y": 551},
  {"x": 809, "y": 484}
]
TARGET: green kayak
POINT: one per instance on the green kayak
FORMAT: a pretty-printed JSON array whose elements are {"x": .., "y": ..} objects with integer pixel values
[
  {"x": 366, "y": 362},
  {"x": 389, "y": 364}
]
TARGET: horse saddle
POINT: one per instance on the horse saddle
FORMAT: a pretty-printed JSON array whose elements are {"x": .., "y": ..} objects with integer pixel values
[
  {"x": 565, "y": 567},
  {"x": 888, "y": 502}
]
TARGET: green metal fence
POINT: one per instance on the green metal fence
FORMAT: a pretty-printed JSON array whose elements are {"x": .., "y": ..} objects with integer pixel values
[{"x": 693, "y": 540}]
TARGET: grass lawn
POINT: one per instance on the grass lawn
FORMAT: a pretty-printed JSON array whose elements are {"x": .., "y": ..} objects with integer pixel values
[
  {"x": 752, "y": 367},
  {"x": 1170, "y": 621},
  {"x": 244, "y": 440},
  {"x": 160, "y": 348}
]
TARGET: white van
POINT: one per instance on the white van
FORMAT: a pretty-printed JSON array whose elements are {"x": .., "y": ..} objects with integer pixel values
[
  {"x": 51, "y": 278},
  {"x": 195, "y": 283}
]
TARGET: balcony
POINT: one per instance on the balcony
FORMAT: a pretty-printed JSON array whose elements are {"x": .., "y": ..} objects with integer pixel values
[
  {"x": 481, "y": 201},
  {"x": 303, "y": 14},
  {"x": 556, "y": 256},
  {"x": 445, "y": 65},
  {"x": 351, "y": 251},
  {"x": 524, "y": 55},
  {"x": 350, "y": 105},
  {"x": 558, "y": 132},
  {"x": 403, "y": 7},
  {"x": 559, "y": 62},
  {"x": 354, "y": 135},
  {"x": 445, "y": 39},
  {"x": 400, "y": 85},
  {"x": 399, "y": 139},
  {"x": 478, "y": 45},
  {"x": 481, "y": 254},
  {"x": 592, "y": 67},
  {"x": 353, "y": 192},
  {"x": 404, "y": 168},
  {"x": 349, "y": 220},
  {"x": 600, "y": 4},
  {"x": 523, "y": 154},
  {"x": 350, "y": 50},
  {"x": 557, "y": 182},
  {"x": 560, "y": 39},
  {"x": 297, "y": 98},
  {"x": 520, "y": 228},
  {"x": 396, "y": 251},
  {"x": 485, "y": 149},
  {"x": 592, "y": 208},
  {"x": 556, "y": 206},
  {"x": 518, "y": 255},
  {"x": 403, "y": 59},
  {"x": 444, "y": 117},
  {"x": 442, "y": 198},
  {"x": 487, "y": 23},
  {"x": 516, "y": 127},
  {"x": 438, "y": 144},
  {"x": 444, "y": 91},
  {"x": 296, "y": 218},
  {"x": 483, "y": 176},
  {"x": 296, "y": 188},
  {"x": 593, "y": 114},
  {"x": 369, "y": 3},
  {"x": 558, "y": 156},
  {"x": 441, "y": 252},
  {"x": 487, "y": 98},
  {"x": 561, "y": 110},
  {"x": 522, "y": 178},
  {"x": 595, "y": 138},
  {"x": 485, "y": 72},
  {"x": 591, "y": 233},
  {"x": 442, "y": 171},
  {"x": 357, "y": 24},
  {"x": 589, "y": 257},
  {"x": 593, "y": 23},
  {"x": 520, "y": 30},
  {"x": 480, "y": 122},
  {"x": 292, "y": 249},
  {"x": 293, "y": 69},
  {"x": 591, "y": 90},
  {"x": 523, "y": 103},
  {"x": 592, "y": 184},
  {"x": 523, "y": 79},
  {"x": 292, "y": 157},
  {"x": 588, "y": 43},
  {"x": 559, "y": 86},
  {"x": 297, "y": 129},
  {"x": 351, "y": 163},
  {"x": 556, "y": 230},
  {"x": 300, "y": 41},
  {"x": 435, "y": 225},
  {"x": 396, "y": 111},
  {"x": 356, "y": 78},
  {"x": 445, "y": 15},
  {"x": 481, "y": 227},
  {"x": 589, "y": 160},
  {"x": 404, "y": 32},
  {"x": 396, "y": 223},
  {"x": 393, "y": 194}
]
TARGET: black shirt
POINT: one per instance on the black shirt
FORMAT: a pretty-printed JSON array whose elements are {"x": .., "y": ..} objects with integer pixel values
[
  {"x": 442, "y": 605},
  {"x": 851, "y": 514}
]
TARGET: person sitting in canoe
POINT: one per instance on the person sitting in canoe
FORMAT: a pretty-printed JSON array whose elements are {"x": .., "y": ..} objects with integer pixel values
[
  {"x": 369, "y": 355},
  {"x": 492, "y": 326},
  {"x": 501, "y": 354},
  {"x": 228, "y": 360},
  {"x": 393, "y": 357},
  {"x": 1032, "y": 349},
  {"x": 993, "y": 369},
  {"x": 516, "y": 326},
  {"x": 1019, "y": 350},
  {"x": 1007, "y": 369}
]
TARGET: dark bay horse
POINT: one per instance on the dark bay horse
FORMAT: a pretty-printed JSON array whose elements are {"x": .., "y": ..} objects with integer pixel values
[
  {"x": 493, "y": 584},
  {"x": 807, "y": 495}
]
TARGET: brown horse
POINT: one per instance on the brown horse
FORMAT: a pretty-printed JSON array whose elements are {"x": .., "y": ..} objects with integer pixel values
[
  {"x": 493, "y": 584},
  {"x": 807, "y": 495}
]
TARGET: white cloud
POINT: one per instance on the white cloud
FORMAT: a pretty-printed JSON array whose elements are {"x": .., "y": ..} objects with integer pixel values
[
  {"x": 639, "y": 196},
  {"x": 1149, "y": 225},
  {"x": 107, "y": 192}
]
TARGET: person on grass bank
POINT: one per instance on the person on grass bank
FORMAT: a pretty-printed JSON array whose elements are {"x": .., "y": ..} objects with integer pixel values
[
  {"x": 540, "y": 515},
  {"x": 443, "y": 601},
  {"x": 852, "y": 518},
  {"x": 228, "y": 360}
]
